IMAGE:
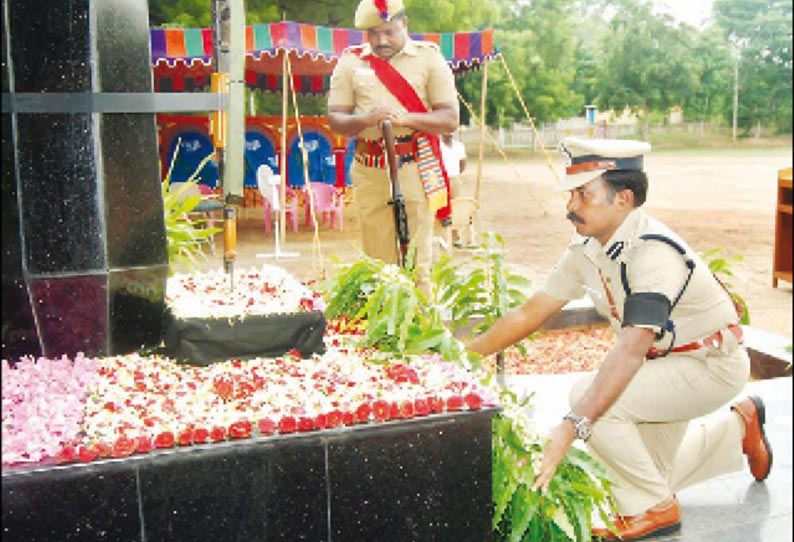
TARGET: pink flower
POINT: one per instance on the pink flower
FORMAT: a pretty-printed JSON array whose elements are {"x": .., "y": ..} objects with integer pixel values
[
  {"x": 164, "y": 440},
  {"x": 266, "y": 426},
  {"x": 200, "y": 435},
  {"x": 305, "y": 424},
  {"x": 287, "y": 424},
  {"x": 42, "y": 406},
  {"x": 455, "y": 402},
  {"x": 473, "y": 401},
  {"x": 241, "y": 429}
]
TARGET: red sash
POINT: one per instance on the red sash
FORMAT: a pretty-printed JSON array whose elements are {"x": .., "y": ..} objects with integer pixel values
[{"x": 405, "y": 93}]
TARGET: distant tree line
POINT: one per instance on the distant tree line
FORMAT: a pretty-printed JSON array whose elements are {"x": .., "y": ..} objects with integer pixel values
[{"x": 565, "y": 54}]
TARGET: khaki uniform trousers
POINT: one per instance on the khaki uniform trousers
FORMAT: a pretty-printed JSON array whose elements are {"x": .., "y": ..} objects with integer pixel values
[
  {"x": 372, "y": 192},
  {"x": 646, "y": 441}
]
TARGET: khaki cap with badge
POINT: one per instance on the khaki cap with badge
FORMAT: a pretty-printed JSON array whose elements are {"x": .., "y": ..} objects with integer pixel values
[
  {"x": 371, "y": 13},
  {"x": 584, "y": 158}
]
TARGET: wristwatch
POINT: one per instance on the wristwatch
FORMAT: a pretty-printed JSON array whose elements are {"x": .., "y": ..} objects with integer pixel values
[{"x": 582, "y": 425}]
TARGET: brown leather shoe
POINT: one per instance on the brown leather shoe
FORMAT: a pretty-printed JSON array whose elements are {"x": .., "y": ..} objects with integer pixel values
[
  {"x": 642, "y": 526},
  {"x": 755, "y": 445}
]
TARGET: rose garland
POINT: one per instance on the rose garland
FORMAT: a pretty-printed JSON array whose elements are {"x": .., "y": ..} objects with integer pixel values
[
  {"x": 43, "y": 405},
  {"x": 268, "y": 290},
  {"x": 134, "y": 404}
]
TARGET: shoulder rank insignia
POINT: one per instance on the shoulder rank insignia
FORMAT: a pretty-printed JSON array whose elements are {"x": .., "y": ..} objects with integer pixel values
[{"x": 354, "y": 49}]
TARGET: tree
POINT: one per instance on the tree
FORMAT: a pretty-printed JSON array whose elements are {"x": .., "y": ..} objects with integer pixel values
[
  {"x": 761, "y": 32},
  {"x": 647, "y": 63},
  {"x": 180, "y": 13},
  {"x": 711, "y": 99},
  {"x": 585, "y": 67},
  {"x": 536, "y": 42},
  {"x": 449, "y": 15}
]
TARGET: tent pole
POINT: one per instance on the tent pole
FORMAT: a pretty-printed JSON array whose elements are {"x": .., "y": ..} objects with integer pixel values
[
  {"x": 480, "y": 151},
  {"x": 284, "y": 168}
]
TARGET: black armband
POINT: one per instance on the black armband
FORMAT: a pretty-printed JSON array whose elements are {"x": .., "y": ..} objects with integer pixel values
[{"x": 646, "y": 309}]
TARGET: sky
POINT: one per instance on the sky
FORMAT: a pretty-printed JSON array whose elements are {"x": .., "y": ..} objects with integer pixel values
[{"x": 693, "y": 12}]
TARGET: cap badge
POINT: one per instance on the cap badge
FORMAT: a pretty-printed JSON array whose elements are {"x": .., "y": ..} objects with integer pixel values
[{"x": 383, "y": 9}]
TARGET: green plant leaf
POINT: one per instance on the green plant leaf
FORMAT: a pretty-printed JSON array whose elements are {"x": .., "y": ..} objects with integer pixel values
[{"x": 526, "y": 501}]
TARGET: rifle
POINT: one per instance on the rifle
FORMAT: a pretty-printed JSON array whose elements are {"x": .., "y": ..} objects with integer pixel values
[{"x": 397, "y": 200}]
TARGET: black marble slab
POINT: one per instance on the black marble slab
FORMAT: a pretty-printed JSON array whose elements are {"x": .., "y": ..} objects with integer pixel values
[
  {"x": 50, "y": 44},
  {"x": 413, "y": 485},
  {"x": 133, "y": 201},
  {"x": 82, "y": 205},
  {"x": 422, "y": 479},
  {"x": 136, "y": 299},
  {"x": 90, "y": 503},
  {"x": 71, "y": 313}
]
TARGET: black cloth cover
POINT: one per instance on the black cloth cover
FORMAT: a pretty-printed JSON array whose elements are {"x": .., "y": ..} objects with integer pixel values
[{"x": 203, "y": 341}]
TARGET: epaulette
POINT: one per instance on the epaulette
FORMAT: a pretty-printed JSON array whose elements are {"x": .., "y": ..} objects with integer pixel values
[
  {"x": 578, "y": 240},
  {"x": 427, "y": 44},
  {"x": 354, "y": 50}
]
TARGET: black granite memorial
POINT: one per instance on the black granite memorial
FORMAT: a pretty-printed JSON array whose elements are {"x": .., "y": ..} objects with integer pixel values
[
  {"x": 84, "y": 250},
  {"x": 84, "y": 269},
  {"x": 414, "y": 480}
]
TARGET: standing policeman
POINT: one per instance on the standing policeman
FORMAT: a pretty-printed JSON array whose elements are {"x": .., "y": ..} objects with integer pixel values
[
  {"x": 678, "y": 354},
  {"x": 392, "y": 77}
]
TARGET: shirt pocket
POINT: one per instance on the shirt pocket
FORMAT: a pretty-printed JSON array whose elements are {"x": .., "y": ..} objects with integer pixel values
[{"x": 365, "y": 86}]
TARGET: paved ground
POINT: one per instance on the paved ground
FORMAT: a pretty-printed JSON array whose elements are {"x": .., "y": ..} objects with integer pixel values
[{"x": 732, "y": 508}]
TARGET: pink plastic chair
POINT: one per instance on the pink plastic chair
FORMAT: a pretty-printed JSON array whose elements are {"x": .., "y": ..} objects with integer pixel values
[
  {"x": 328, "y": 205},
  {"x": 290, "y": 206}
]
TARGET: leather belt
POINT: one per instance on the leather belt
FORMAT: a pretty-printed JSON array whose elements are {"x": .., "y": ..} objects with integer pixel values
[
  {"x": 371, "y": 152},
  {"x": 371, "y": 147},
  {"x": 712, "y": 341}
]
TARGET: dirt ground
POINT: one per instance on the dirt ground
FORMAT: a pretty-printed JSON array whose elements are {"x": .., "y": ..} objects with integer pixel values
[{"x": 713, "y": 198}]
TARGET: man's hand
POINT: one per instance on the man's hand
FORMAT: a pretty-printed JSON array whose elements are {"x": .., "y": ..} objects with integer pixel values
[
  {"x": 376, "y": 116},
  {"x": 561, "y": 438},
  {"x": 344, "y": 121}
]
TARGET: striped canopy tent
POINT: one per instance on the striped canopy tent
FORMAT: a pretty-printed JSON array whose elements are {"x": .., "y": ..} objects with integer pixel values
[
  {"x": 182, "y": 57},
  {"x": 182, "y": 61}
]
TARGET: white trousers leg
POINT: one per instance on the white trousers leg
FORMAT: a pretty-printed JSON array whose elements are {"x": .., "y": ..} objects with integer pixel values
[{"x": 646, "y": 441}]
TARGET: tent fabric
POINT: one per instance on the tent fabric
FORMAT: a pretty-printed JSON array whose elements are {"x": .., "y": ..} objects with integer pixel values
[{"x": 182, "y": 57}]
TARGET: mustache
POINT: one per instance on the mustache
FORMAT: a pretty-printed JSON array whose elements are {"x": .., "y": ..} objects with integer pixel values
[{"x": 573, "y": 217}]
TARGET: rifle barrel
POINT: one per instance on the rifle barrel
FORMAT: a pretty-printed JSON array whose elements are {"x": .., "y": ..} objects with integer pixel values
[{"x": 400, "y": 216}]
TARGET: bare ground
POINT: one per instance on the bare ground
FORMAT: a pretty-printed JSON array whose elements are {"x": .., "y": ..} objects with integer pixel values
[{"x": 722, "y": 198}]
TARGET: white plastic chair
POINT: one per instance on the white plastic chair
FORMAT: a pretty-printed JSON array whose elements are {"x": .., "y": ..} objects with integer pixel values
[{"x": 263, "y": 176}]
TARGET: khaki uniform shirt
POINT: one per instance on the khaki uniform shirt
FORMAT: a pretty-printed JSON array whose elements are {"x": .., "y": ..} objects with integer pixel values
[
  {"x": 354, "y": 83},
  {"x": 652, "y": 266}
]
